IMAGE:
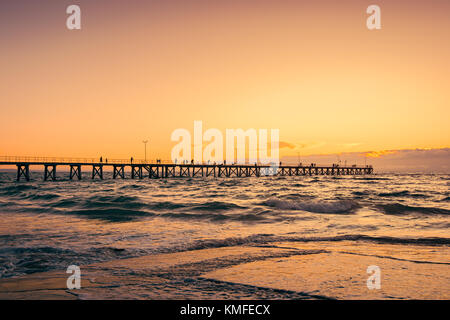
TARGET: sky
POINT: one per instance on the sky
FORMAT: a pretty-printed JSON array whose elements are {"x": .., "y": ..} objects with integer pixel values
[{"x": 138, "y": 70}]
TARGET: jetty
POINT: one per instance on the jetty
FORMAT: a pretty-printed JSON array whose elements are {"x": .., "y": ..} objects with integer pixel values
[{"x": 139, "y": 169}]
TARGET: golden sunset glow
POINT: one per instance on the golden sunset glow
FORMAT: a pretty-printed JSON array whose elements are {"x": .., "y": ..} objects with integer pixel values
[
  {"x": 139, "y": 71},
  {"x": 234, "y": 158}
]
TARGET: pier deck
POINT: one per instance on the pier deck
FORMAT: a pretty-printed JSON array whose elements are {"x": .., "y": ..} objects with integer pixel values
[{"x": 157, "y": 169}]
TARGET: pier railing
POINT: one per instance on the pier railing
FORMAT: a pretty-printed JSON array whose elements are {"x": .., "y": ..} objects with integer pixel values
[{"x": 72, "y": 160}]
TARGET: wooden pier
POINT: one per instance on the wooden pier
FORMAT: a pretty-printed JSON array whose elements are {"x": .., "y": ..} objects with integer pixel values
[{"x": 158, "y": 169}]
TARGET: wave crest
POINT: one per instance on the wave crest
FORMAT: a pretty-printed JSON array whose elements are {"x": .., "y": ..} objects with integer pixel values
[
  {"x": 397, "y": 208},
  {"x": 338, "y": 206}
]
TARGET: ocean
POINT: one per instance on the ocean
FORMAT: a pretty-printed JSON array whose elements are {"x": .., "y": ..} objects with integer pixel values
[{"x": 47, "y": 226}]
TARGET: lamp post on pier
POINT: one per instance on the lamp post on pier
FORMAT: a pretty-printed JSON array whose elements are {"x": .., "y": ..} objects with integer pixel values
[{"x": 145, "y": 150}]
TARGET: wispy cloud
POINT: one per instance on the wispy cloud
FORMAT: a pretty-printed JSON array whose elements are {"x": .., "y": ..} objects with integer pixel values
[
  {"x": 284, "y": 144},
  {"x": 377, "y": 154},
  {"x": 351, "y": 144}
]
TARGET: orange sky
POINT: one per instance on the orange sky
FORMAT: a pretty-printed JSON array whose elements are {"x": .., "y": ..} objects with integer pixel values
[{"x": 139, "y": 71}]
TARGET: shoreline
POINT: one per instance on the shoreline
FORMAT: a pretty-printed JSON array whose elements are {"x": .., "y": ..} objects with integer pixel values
[{"x": 285, "y": 271}]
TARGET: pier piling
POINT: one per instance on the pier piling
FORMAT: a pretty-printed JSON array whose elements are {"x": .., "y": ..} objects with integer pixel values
[
  {"x": 23, "y": 170},
  {"x": 75, "y": 171},
  {"x": 118, "y": 171},
  {"x": 97, "y": 170},
  {"x": 49, "y": 172}
]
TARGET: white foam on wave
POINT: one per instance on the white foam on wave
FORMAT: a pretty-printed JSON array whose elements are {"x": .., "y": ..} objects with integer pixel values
[{"x": 338, "y": 206}]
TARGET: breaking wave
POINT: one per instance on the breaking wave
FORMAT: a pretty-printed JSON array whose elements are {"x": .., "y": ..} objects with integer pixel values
[
  {"x": 397, "y": 208},
  {"x": 339, "y": 206},
  {"x": 259, "y": 239}
]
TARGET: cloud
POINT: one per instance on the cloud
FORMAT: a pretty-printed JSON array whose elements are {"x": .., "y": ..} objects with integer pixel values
[
  {"x": 351, "y": 144},
  {"x": 284, "y": 144},
  {"x": 300, "y": 145},
  {"x": 377, "y": 154},
  {"x": 310, "y": 144}
]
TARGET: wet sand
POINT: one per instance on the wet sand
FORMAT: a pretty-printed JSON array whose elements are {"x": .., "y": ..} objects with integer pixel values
[{"x": 287, "y": 270}]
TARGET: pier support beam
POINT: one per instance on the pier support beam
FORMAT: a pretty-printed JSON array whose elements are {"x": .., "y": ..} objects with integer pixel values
[
  {"x": 23, "y": 170},
  {"x": 232, "y": 170},
  {"x": 197, "y": 171},
  {"x": 119, "y": 172},
  {"x": 185, "y": 171},
  {"x": 75, "y": 171},
  {"x": 50, "y": 172},
  {"x": 97, "y": 170},
  {"x": 136, "y": 171},
  {"x": 211, "y": 171},
  {"x": 169, "y": 171},
  {"x": 153, "y": 172},
  {"x": 222, "y": 171}
]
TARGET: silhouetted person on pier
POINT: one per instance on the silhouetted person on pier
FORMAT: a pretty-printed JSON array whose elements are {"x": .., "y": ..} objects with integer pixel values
[
  {"x": 131, "y": 159},
  {"x": 106, "y": 160},
  {"x": 101, "y": 159},
  {"x": 192, "y": 161}
]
